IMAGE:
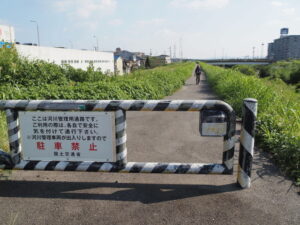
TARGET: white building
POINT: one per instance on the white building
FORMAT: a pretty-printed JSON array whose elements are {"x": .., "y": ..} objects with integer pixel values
[
  {"x": 285, "y": 47},
  {"x": 7, "y": 34},
  {"x": 79, "y": 59},
  {"x": 165, "y": 59}
]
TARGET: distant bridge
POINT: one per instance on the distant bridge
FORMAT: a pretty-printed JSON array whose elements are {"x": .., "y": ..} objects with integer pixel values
[{"x": 232, "y": 62}]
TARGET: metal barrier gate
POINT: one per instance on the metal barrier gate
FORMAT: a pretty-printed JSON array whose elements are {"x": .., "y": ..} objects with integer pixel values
[{"x": 15, "y": 160}]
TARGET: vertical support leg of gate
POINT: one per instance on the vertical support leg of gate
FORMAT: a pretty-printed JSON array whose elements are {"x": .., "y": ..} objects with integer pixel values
[
  {"x": 228, "y": 154},
  {"x": 13, "y": 135},
  {"x": 121, "y": 138},
  {"x": 247, "y": 142},
  {"x": 229, "y": 145}
]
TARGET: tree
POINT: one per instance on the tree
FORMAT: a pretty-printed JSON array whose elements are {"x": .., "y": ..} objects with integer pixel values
[{"x": 147, "y": 63}]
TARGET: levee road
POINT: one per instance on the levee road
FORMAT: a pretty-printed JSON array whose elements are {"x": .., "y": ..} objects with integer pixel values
[{"x": 40, "y": 197}]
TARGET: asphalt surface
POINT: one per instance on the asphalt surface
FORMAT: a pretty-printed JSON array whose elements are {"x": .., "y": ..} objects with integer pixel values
[{"x": 38, "y": 197}]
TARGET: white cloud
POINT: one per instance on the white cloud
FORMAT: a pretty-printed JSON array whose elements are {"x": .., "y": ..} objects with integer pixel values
[
  {"x": 155, "y": 21},
  {"x": 88, "y": 25},
  {"x": 284, "y": 7},
  {"x": 166, "y": 34},
  {"x": 274, "y": 23},
  {"x": 116, "y": 22},
  {"x": 200, "y": 4},
  {"x": 84, "y": 9},
  {"x": 277, "y": 4},
  {"x": 289, "y": 11}
]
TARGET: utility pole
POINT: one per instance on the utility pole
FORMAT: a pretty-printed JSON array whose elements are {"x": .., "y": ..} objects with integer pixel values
[
  {"x": 253, "y": 52},
  {"x": 97, "y": 48},
  {"x": 223, "y": 53},
  {"x": 180, "y": 49},
  {"x": 170, "y": 51},
  {"x": 37, "y": 31},
  {"x": 174, "y": 56},
  {"x": 71, "y": 44},
  {"x": 262, "y": 50}
]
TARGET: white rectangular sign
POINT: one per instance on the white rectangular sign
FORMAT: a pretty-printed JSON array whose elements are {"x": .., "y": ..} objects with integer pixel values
[
  {"x": 214, "y": 129},
  {"x": 68, "y": 136}
]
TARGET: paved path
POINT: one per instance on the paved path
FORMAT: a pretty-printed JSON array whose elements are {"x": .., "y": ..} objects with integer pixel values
[{"x": 33, "y": 197}]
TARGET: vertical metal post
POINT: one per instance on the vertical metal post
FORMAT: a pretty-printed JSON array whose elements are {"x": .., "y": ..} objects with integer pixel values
[
  {"x": 38, "y": 34},
  {"x": 13, "y": 135},
  {"x": 121, "y": 138},
  {"x": 37, "y": 30},
  {"x": 228, "y": 153},
  {"x": 229, "y": 143},
  {"x": 247, "y": 142}
]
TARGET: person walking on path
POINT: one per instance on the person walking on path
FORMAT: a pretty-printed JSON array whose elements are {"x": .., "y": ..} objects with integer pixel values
[{"x": 197, "y": 73}]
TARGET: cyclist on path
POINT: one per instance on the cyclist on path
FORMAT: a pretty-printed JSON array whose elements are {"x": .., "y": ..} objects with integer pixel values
[{"x": 197, "y": 73}]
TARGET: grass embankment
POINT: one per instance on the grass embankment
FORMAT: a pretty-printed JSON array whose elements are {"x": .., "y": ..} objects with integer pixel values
[
  {"x": 288, "y": 71},
  {"x": 144, "y": 84},
  {"x": 23, "y": 79},
  {"x": 278, "y": 129}
]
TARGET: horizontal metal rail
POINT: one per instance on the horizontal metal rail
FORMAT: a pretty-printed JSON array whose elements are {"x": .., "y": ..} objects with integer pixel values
[
  {"x": 130, "y": 167},
  {"x": 113, "y": 105}
]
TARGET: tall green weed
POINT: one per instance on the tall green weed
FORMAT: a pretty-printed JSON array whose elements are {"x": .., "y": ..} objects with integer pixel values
[
  {"x": 278, "y": 112},
  {"x": 288, "y": 71}
]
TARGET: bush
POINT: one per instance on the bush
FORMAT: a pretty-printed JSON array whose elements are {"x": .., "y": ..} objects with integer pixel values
[
  {"x": 246, "y": 69},
  {"x": 288, "y": 71},
  {"x": 8, "y": 63},
  {"x": 17, "y": 70},
  {"x": 295, "y": 77},
  {"x": 144, "y": 84},
  {"x": 278, "y": 128}
]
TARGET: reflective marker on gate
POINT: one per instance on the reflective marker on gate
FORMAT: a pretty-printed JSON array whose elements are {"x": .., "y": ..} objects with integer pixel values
[{"x": 213, "y": 123}]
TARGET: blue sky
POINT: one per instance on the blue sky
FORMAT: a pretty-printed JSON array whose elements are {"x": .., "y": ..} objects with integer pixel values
[{"x": 207, "y": 28}]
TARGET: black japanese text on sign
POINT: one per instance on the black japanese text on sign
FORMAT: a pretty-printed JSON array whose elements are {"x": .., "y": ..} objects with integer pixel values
[{"x": 71, "y": 136}]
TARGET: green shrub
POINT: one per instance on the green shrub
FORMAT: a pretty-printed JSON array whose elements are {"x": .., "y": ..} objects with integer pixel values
[
  {"x": 288, "y": 71},
  {"x": 278, "y": 128},
  {"x": 17, "y": 70},
  {"x": 246, "y": 69},
  {"x": 8, "y": 63},
  {"x": 295, "y": 77}
]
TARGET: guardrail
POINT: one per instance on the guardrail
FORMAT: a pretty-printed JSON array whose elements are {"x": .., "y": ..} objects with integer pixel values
[{"x": 15, "y": 160}]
